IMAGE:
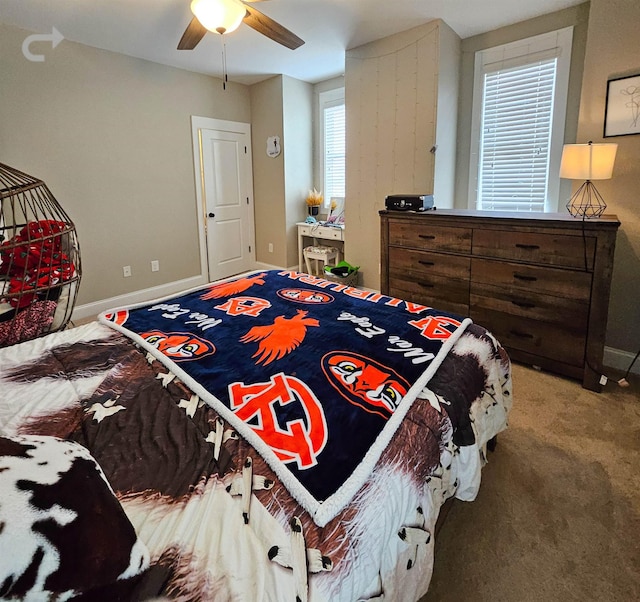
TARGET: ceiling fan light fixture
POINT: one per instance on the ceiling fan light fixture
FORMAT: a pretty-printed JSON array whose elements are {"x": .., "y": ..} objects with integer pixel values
[{"x": 222, "y": 16}]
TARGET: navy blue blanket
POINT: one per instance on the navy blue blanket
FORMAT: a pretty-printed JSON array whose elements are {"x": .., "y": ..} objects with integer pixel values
[{"x": 315, "y": 375}]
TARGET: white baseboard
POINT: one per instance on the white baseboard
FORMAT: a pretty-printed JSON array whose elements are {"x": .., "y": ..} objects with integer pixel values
[
  {"x": 620, "y": 360},
  {"x": 90, "y": 310},
  {"x": 260, "y": 265}
]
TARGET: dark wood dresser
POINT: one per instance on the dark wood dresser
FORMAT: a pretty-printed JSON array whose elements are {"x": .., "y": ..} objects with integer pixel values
[{"x": 539, "y": 283}]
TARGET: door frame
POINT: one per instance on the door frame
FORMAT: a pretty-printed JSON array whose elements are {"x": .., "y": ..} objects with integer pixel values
[{"x": 237, "y": 127}]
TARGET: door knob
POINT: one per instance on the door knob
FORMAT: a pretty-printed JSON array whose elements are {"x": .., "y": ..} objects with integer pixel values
[{"x": 212, "y": 214}]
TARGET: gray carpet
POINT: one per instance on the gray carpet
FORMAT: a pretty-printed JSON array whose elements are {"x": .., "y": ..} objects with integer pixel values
[{"x": 558, "y": 513}]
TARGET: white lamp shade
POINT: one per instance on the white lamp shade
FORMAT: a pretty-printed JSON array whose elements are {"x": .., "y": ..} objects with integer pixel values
[
  {"x": 588, "y": 161},
  {"x": 222, "y": 16}
]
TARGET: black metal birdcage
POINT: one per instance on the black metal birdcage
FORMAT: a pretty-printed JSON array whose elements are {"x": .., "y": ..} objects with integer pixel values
[{"x": 39, "y": 259}]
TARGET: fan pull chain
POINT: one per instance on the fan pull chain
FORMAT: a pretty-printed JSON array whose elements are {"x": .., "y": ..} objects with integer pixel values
[{"x": 224, "y": 63}]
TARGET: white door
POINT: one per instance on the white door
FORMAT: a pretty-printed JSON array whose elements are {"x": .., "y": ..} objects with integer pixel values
[{"x": 225, "y": 196}]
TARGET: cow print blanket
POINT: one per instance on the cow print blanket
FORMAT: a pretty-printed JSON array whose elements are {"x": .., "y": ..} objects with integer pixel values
[{"x": 64, "y": 528}]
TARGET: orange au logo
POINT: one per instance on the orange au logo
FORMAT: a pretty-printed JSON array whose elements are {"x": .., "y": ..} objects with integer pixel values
[
  {"x": 303, "y": 295},
  {"x": 179, "y": 346},
  {"x": 365, "y": 382},
  {"x": 244, "y": 306},
  {"x": 118, "y": 317},
  {"x": 436, "y": 328},
  {"x": 298, "y": 440}
]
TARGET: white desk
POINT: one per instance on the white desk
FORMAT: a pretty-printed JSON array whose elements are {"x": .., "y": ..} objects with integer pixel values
[{"x": 317, "y": 232}]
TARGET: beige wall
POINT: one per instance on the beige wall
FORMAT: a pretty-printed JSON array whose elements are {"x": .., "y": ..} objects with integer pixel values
[
  {"x": 613, "y": 51},
  {"x": 281, "y": 106},
  {"x": 392, "y": 89},
  {"x": 578, "y": 17},
  {"x": 111, "y": 137},
  {"x": 268, "y": 172},
  {"x": 298, "y": 156}
]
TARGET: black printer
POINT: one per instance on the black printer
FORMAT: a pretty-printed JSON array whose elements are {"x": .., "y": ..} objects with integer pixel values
[{"x": 409, "y": 202}]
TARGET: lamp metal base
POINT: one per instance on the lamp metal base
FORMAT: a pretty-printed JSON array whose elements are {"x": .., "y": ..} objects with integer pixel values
[{"x": 587, "y": 202}]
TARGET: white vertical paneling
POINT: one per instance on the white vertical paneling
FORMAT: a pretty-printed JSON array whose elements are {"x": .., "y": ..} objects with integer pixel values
[
  {"x": 368, "y": 138},
  {"x": 427, "y": 90},
  {"x": 405, "y": 119},
  {"x": 391, "y": 92},
  {"x": 446, "y": 125},
  {"x": 386, "y": 151}
]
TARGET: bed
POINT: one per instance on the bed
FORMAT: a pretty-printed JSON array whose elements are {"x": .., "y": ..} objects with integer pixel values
[{"x": 270, "y": 437}]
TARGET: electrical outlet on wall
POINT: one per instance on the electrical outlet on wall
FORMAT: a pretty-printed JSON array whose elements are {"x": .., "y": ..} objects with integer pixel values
[
  {"x": 126, "y": 271},
  {"x": 155, "y": 266},
  {"x": 270, "y": 247}
]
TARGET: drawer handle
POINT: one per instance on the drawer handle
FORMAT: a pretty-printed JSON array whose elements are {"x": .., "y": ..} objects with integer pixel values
[
  {"x": 523, "y": 277},
  {"x": 527, "y": 247},
  {"x": 525, "y": 304},
  {"x": 426, "y": 284},
  {"x": 522, "y": 335},
  {"x": 423, "y": 262},
  {"x": 427, "y": 236}
]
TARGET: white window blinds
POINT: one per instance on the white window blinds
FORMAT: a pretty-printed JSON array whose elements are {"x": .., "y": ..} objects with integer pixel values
[
  {"x": 517, "y": 115},
  {"x": 518, "y": 123},
  {"x": 334, "y": 151}
]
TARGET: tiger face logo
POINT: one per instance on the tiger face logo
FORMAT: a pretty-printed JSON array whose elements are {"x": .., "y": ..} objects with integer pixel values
[
  {"x": 179, "y": 346},
  {"x": 304, "y": 295},
  {"x": 365, "y": 382}
]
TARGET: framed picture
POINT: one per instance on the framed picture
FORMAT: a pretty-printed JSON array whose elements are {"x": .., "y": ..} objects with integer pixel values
[{"x": 622, "y": 109}]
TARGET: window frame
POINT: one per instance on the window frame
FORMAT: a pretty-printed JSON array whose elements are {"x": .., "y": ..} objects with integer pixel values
[
  {"x": 327, "y": 99},
  {"x": 520, "y": 53}
]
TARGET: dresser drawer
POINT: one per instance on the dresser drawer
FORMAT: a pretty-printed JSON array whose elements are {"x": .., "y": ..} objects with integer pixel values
[
  {"x": 324, "y": 232},
  {"x": 514, "y": 277},
  {"x": 535, "y": 247},
  {"x": 439, "y": 292},
  {"x": 426, "y": 263},
  {"x": 430, "y": 237},
  {"x": 561, "y": 311},
  {"x": 537, "y": 338}
]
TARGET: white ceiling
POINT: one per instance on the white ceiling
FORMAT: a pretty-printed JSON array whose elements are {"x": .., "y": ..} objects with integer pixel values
[{"x": 151, "y": 29}]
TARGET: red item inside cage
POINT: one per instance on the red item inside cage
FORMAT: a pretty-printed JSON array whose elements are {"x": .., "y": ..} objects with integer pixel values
[{"x": 34, "y": 260}]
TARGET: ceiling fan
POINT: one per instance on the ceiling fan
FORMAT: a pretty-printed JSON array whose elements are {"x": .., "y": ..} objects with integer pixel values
[{"x": 224, "y": 16}]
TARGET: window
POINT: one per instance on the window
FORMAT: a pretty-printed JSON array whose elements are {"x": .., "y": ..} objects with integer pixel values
[
  {"x": 519, "y": 109},
  {"x": 332, "y": 143}
]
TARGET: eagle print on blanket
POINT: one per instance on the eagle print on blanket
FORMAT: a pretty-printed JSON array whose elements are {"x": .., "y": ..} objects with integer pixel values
[{"x": 316, "y": 375}]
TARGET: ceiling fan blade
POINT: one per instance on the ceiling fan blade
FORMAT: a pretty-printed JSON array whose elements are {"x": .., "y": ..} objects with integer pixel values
[
  {"x": 192, "y": 35},
  {"x": 270, "y": 28}
]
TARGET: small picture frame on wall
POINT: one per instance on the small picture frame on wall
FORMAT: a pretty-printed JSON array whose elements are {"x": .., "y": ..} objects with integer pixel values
[{"x": 622, "y": 108}]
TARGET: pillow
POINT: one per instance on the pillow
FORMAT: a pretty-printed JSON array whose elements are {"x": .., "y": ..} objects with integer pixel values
[{"x": 62, "y": 530}]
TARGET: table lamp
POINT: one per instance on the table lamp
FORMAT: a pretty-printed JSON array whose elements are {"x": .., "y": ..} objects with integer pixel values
[{"x": 587, "y": 162}]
